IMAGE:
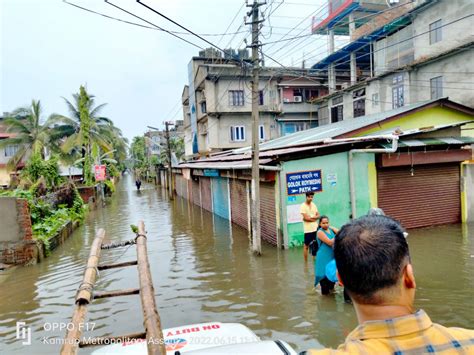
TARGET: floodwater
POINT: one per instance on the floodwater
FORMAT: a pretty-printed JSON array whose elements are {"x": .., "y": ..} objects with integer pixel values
[{"x": 204, "y": 271}]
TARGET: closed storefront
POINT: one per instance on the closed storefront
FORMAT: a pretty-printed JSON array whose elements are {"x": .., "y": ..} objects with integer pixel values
[
  {"x": 206, "y": 196},
  {"x": 239, "y": 202},
  {"x": 196, "y": 195},
  {"x": 268, "y": 212},
  {"x": 421, "y": 196},
  {"x": 181, "y": 186},
  {"x": 220, "y": 197}
]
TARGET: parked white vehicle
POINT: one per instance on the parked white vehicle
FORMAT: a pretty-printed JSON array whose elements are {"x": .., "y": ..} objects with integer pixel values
[{"x": 205, "y": 338}]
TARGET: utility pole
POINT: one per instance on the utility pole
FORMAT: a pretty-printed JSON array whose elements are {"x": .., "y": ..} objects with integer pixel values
[
  {"x": 255, "y": 186},
  {"x": 170, "y": 170}
]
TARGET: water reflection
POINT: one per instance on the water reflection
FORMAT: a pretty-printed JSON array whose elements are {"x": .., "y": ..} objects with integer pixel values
[{"x": 204, "y": 270}]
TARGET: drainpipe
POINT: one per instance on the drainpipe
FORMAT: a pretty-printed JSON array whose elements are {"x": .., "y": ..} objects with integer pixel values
[{"x": 393, "y": 149}]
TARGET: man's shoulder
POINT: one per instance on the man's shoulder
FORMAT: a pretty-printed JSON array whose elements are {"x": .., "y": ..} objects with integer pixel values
[{"x": 455, "y": 332}]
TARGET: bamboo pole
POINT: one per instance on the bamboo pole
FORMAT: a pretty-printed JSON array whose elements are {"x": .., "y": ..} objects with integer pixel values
[
  {"x": 113, "y": 266},
  {"x": 83, "y": 297},
  {"x": 128, "y": 292},
  {"x": 152, "y": 323}
]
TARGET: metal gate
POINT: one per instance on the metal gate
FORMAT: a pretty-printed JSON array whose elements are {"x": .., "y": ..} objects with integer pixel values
[{"x": 428, "y": 195}]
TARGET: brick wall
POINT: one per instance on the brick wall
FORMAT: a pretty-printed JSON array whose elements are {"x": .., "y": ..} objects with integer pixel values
[
  {"x": 267, "y": 212},
  {"x": 25, "y": 250},
  {"x": 206, "y": 196},
  {"x": 238, "y": 202}
]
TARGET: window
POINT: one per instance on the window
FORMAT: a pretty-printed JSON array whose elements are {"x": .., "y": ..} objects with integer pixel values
[
  {"x": 435, "y": 32},
  {"x": 359, "y": 102},
  {"x": 375, "y": 100},
  {"x": 260, "y": 97},
  {"x": 203, "y": 107},
  {"x": 236, "y": 97},
  {"x": 398, "y": 99},
  {"x": 10, "y": 150},
  {"x": 436, "y": 85},
  {"x": 237, "y": 133},
  {"x": 261, "y": 132},
  {"x": 337, "y": 109}
]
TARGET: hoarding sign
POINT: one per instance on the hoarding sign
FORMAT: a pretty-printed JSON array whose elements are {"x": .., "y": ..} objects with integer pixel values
[
  {"x": 303, "y": 181},
  {"x": 99, "y": 171}
]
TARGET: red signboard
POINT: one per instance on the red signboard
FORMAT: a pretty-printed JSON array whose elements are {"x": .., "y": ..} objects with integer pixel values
[{"x": 99, "y": 172}]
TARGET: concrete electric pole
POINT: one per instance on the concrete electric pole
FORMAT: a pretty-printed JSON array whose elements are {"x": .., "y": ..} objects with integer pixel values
[
  {"x": 255, "y": 186},
  {"x": 170, "y": 169}
]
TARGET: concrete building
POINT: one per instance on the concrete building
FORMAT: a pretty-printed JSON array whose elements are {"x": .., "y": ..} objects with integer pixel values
[
  {"x": 407, "y": 161},
  {"x": 410, "y": 52},
  {"x": 6, "y": 153},
  {"x": 217, "y": 103}
]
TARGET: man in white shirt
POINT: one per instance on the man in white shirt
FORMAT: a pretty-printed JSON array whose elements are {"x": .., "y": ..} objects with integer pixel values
[{"x": 310, "y": 215}]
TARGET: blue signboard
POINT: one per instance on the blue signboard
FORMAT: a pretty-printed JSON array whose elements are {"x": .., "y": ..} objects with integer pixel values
[
  {"x": 211, "y": 172},
  {"x": 304, "y": 181}
]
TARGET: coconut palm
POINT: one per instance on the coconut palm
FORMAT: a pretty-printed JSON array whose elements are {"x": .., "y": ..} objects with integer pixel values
[
  {"x": 29, "y": 133},
  {"x": 87, "y": 128}
]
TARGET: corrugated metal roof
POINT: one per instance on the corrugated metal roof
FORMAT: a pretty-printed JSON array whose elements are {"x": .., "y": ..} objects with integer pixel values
[
  {"x": 423, "y": 142},
  {"x": 332, "y": 130},
  {"x": 242, "y": 164}
]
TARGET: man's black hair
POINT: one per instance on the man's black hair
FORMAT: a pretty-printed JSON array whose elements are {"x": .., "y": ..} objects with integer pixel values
[
  {"x": 370, "y": 254},
  {"x": 309, "y": 194}
]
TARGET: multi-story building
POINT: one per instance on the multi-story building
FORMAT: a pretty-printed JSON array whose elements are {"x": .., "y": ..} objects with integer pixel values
[
  {"x": 403, "y": 53},
  {"x": 217, "y": 103},
  {"x": 155, "y": 140},
  {"x": 6, "y": 153}
]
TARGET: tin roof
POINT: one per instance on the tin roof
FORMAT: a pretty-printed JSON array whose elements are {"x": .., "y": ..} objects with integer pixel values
[
  {"x": 205, "y": 164},
  {"x": 423, "y": 142},
  {"x": 340, "y": 128}
]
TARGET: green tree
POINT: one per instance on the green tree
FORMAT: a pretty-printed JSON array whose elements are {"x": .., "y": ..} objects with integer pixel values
[
  {"x": 30, "y": 134},
  {"x": 138, "y": 152},
  {"x": 86, "y": 128}
]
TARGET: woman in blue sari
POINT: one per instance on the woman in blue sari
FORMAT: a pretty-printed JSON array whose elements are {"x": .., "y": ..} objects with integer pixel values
[{"x": 325, "y": 254}]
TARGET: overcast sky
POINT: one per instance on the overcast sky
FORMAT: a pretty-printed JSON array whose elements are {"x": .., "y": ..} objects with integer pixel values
[{"x": 49, "y": 48}]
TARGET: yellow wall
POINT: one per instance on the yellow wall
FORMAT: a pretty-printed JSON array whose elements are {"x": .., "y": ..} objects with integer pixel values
[
  {"x": 4, "y": 177},
  {"x": 435, "y": 116},
  {"x": 372, "y": 175}
]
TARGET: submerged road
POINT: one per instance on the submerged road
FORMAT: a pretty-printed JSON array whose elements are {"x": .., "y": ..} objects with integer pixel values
[{"x": 203, "y": 270}]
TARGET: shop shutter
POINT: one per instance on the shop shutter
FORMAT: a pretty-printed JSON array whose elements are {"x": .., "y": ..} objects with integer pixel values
[
  {"x": 206, "y": 197},
  {"x": 430, "y": 197},
  {"x": 238, "y": 202},
  {"x": 267, "y": 212},
  {"x": 220, "y": 197},
  {"x": 196, "y": 193}
]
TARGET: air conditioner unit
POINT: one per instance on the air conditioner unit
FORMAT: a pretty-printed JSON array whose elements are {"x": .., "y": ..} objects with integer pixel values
[
  {"x": 297, "y": 99},
  {"x": 285, "y": 99},
  {"x": 345, "y": 85}
]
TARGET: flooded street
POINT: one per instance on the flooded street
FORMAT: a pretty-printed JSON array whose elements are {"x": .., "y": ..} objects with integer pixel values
[{"x": 203, "y": 270}]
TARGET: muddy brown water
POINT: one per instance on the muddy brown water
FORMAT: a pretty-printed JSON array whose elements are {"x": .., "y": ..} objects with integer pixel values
[{"x": 203, "y": 271}]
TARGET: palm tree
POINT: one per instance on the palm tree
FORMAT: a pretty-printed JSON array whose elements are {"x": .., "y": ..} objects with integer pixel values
[
  {"x": 86, "y": 128},
  {"x": 29, "y": 134}
]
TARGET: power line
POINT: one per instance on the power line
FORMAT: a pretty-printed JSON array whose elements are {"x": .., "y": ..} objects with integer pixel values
[
  {"x": 162, "y": 29},
  {"x": 181, "y": 26}
]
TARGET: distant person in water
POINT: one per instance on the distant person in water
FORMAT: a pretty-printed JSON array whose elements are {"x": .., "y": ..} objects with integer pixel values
[
  {"x": 373, "y": 263},
  {"x": 138, "y": 184},
  {"x": 325, "y": 235},
  {"x": 309, "y": 213}
]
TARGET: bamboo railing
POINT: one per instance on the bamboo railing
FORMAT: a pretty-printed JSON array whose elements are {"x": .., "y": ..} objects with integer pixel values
[{"x": 85, "y": 295}]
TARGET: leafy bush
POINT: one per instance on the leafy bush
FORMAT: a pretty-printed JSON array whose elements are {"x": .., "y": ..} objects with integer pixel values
[
  {"x": 49, "y": 213},
  {"x": 37, "y": 168}
]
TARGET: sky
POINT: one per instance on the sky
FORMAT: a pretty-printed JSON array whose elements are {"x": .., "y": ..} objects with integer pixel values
[{"x": 49, "y": 48}]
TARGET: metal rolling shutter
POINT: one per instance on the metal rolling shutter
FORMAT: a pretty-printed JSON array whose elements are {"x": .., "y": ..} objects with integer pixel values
[
  {"x": 238, "y": 201},
  {"x": 267, "y": 212},
  {"x": 206, "y": 197},
  {"x": 431, "y": 196},
  {"x": 196, "y": 193}
]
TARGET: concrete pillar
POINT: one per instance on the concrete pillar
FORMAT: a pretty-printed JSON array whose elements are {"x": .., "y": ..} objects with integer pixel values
[
  {"x": 353, "y": 68},
  {"x": 352, "y": 25},
  {"x": 331, "y": 41},
  {"x": 331, "y": 69},
  {"x": 332, "y": 78}
]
